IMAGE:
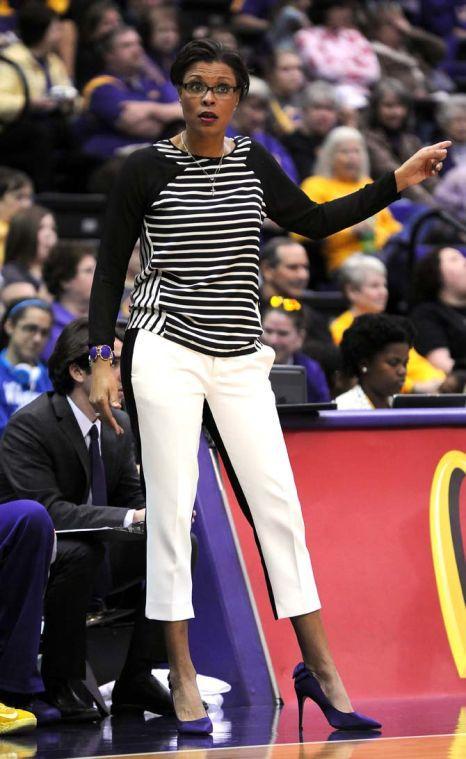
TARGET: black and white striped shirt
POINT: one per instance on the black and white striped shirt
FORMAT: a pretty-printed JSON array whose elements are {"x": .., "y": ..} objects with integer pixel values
[{"x": 198, "y": 283}]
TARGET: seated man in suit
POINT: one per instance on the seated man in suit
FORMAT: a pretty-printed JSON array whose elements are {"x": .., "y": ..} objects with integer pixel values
[{"x": 56, "y": 451}]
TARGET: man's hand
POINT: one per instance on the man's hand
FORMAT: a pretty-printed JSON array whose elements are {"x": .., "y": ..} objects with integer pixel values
[
  {"x": 139, "y": 516},
  {"x": 427, "y": 162},
  {"x": 104, "y": 393}
]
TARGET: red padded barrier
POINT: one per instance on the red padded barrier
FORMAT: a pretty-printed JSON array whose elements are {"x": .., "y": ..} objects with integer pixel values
[{"x": 365, "y": 497}]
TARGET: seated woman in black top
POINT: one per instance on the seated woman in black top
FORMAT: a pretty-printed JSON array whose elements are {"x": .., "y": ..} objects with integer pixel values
[{"x": 440, "y": 313}]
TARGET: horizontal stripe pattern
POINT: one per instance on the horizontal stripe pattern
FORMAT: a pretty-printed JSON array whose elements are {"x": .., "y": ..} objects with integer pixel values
[{"x": 199, "y": 278}]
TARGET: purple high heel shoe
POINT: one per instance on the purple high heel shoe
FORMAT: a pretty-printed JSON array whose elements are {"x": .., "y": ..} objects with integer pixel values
[
  {"x": 201, "y": 726},
  {"x": 307, "y": 686}
]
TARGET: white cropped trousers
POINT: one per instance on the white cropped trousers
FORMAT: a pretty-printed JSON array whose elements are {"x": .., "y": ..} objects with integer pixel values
[{"x": 170, "y": 384}]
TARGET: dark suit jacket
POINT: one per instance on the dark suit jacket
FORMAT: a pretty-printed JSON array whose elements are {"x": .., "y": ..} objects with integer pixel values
[{"x": 43, "y": 457}]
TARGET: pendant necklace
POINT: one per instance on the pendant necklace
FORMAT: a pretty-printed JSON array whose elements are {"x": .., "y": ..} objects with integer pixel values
[{"x": 210, "y": 177}]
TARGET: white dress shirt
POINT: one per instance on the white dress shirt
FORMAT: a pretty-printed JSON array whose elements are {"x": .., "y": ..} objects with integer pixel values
[{"x": 85, "y": 425}]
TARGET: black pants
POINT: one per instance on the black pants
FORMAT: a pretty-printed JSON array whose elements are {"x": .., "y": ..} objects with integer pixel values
[{"x": 69, "y": 591}]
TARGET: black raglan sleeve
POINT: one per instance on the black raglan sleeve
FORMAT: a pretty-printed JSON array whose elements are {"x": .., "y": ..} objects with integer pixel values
[
  {"x": 290, "y": 207},
  {"x": 142, "y": 177}
]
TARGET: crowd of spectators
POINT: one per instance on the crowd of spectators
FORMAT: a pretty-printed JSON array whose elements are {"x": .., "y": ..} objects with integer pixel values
[{"x": 341, "y": 92}]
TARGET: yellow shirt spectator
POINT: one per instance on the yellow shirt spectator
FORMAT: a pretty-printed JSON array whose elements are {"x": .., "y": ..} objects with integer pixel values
[
  {"x": 11, "y": 88},
  {"x": 338, "y": 247}
]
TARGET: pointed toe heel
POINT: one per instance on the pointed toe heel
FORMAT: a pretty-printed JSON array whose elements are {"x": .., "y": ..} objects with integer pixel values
[
  {"x": 202, "y": 726},
  {"x": 307, "y": 686}
]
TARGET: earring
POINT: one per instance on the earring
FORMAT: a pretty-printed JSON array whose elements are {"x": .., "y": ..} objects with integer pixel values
[{"x": 364, "y": 369}]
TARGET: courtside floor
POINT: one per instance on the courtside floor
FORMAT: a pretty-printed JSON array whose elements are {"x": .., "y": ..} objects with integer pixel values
[{"x": 412, "y": 729}]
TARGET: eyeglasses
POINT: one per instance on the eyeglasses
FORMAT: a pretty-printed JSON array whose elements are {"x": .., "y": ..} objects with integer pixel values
[
  {"x": 199, "y": 89},
  {"x": 34, "y": 329},
  {"x": 288, "y": 304}
]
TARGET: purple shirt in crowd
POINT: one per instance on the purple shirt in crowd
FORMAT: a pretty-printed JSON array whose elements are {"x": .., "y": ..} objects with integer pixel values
[
  {"x": 317, "y": 387},
  {"x": 104, "y": 97}
]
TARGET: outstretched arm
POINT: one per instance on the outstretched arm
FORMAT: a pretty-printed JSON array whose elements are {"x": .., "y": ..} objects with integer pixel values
[{"x": 290, "y": 207}]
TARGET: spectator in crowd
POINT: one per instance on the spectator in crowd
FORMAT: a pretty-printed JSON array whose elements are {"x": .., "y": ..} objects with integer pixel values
[
  {"x": 32, "y": 143},
  {"x": 336, "y": 51},
  {"x": 16, "y": 192},
  {"x": 375, "y": 349},
  {"x": 94, "y": 23},
  {"x": 343, "y": 167},
  {"x": 286, "y": 81},
  {"x": 161, "y": 36},
  {"x": 388, "y": 137},
  {"x": 289, "y": 16},
  {"x": 407, "y": 53},
  {"x": 451, "y": 117},
  {"x": 26, "y": 327},
  {"x": 16, "y": 291},
  {"x": 440, "y": 311},
  {"x": 26, "y": 547},
  {"x": 363, "y": 280},
  {"x": 122, "y": 106},
  {"x": 31, "y": 236},
  {"x": 284, "y": 271},
  {"x": 285, "y": 331},
  {"x": 55, "y": 451},
  {"x": 68, "y": 274},
  {"x": 251, "y": 18},
  {"x": 450, "y": 192},
  {"x": 251, "y": 118},
  {"x": 223, "y": 34},
  {"x": 319, "y": 115}
]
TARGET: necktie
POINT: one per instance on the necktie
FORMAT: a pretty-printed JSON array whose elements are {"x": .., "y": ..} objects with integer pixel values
[{"x": 98, "y": 481}]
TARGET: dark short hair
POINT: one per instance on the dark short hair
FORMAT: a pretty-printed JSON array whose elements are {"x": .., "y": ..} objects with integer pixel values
[
  {"x": 368, "y": 335},
  {"x": 34, "y": 18},
  {"x": 210, "y": 51},
  {"x": 269, "y": 253},
  {"x": 427, "y": 278},
  {"x": 72, "y": 347},
  {"x": 21, "y": 240},
  {"x": 12, "y": 179},
  {"x": 63, "y": 262}
]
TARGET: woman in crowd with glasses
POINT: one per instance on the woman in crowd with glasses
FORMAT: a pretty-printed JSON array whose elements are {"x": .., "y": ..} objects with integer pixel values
[
  {"x": 26, "y": 327},
  {"x": 197, "y": 202}
]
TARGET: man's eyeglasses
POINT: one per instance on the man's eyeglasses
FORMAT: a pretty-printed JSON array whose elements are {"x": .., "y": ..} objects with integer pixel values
[
  {"x": 288, "y": 304},
  {"x": 199, "y": 89},
  {"x": 34, "y": 329}
]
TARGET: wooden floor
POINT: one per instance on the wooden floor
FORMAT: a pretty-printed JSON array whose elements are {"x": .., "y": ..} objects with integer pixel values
[
  {"x": 412, "y": 729},
  {"x": 426, "y": 747}
]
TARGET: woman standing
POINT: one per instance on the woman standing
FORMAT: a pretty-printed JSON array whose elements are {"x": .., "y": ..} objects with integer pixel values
[{"x": 197, "y": 202}]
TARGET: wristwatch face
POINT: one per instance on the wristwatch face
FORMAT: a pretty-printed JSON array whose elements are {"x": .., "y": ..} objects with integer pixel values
[{"x": 104, "y": 351}]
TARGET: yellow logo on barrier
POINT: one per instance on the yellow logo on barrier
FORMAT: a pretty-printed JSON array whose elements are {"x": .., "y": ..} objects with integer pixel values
[{"x": 448, "y": 551}]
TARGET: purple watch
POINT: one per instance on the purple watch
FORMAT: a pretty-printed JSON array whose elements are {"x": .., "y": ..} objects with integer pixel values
[{"x": 100, "y": 351}]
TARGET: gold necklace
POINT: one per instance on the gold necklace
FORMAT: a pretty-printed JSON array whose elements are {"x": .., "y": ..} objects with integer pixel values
[{"x": 210, "y": 177}]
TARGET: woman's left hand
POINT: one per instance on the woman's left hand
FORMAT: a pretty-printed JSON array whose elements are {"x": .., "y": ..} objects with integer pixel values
[{"x": 427, "y": 162}]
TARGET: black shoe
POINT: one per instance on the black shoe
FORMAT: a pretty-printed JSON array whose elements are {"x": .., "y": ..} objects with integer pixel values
[
  {"x": 142, "y": 693},
  {"x": 73, "y": 700}
]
